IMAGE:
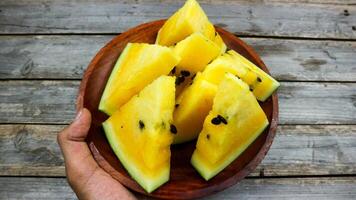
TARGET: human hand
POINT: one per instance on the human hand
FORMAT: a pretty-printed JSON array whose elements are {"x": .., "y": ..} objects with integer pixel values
[{"x": 84, "y": 175}]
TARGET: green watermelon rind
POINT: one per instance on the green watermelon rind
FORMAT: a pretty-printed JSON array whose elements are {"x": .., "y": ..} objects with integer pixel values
[
  {"x": 207, "y": 174},
  {"x": 149, "y": 184},
  {"x": 103, "y": 106}
]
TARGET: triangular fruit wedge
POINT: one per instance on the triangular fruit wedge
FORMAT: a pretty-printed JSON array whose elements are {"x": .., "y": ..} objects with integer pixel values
[
  {"x": 192, "y": 106},
  {"x": 140, "y": 133},
  {"x": 138, "y": 65},
  {"x": 234, "y": 122},
  {"x": 187, "y": 20}
]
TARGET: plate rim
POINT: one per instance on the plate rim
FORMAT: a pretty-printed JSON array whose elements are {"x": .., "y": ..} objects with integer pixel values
[{"x": 252, "y": 164}]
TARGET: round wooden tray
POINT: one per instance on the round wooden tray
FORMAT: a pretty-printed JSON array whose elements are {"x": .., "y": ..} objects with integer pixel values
[{"x": 185, "y": 182}]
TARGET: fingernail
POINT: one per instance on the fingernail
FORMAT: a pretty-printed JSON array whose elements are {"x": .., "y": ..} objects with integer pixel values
[{"x": 78, "y": 114}]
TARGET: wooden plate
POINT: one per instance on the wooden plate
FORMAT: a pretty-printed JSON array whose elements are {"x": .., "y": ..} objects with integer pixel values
[{"x": 185, "y": 182}]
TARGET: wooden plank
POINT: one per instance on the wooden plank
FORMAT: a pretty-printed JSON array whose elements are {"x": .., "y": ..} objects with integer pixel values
[
  {"x": 53, "y": 102},
  {"x": 30, "y": 150},
  {"x": 306, "y": 60},
  {"x": 289, "y": 188},
  {"x": 331, "y": 2},
  {"x": 66, "y": 57},
  {"x": 317, "y": 103},
  {"x": 298, "y": 150},
  {"x": 37, "y": 101},
  {"x": 311, "y": 150},
  {"x": 47, "y": 57},
  {"x": 35, "y": 188},
  {"x": 242, "y": 18}
]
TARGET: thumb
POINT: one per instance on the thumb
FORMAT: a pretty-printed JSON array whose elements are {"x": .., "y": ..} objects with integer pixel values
[
  {"x": 72, "y": 138},
  {"x": 76, "y": 153},
  {"x": 78, "y": 130}
]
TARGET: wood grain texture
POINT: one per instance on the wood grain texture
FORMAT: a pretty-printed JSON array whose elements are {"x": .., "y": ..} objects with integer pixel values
[
  {"x": 317, "y": 103},
  {"x": 35, "y": 188},
  {"x": 332, "y": 2},
  {"x": 306, "y": 60},
  {"x": 53, "y": 102},
  {"x": 297, "y": 150},
  {"x": 47, "y": 57},
  {"x": 37, "y": 101},
  {"x": 311, "y": 150},
  {"x": 288, "y": 188},
  {"x": 30, "y": 150},
  {"x": 309, "y": 188},
  {"x": 66, "y": 57},
  {"x": 242, "y": 18}
]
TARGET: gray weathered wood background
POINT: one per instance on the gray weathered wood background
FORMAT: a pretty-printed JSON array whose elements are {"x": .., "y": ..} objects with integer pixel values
[{"x": 309, "y": 45}]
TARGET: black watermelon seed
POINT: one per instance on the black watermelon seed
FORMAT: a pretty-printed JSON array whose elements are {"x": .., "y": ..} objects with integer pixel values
[
  {"x": 193, "y": 76},
  {"x": 259, "y": 79},
  {"x": 122, "y": 126},
  {"x": 251, "y": 89},
  {"x": 208, "y": 136},
  {"x": 177, "y": 105},
  {"x": 185, "y": 73},
  {"x": 237, "y": 76},
  {"x": 216, "y": 121},
  {"x": 141, "y": 124},
  {"x": 173, "y": 71},
  {"x": 222, "y": 119},
  {"x": 179, "y": 80},
  {"x": 173, "y": 129},
  {"x": 346, "y": 13}
]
